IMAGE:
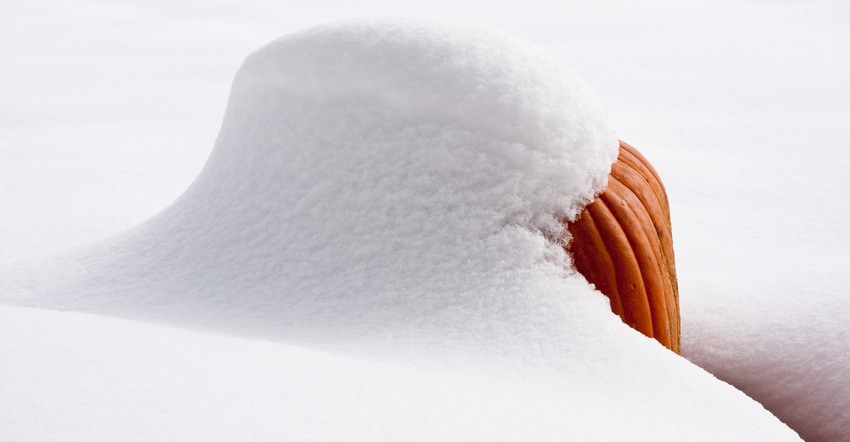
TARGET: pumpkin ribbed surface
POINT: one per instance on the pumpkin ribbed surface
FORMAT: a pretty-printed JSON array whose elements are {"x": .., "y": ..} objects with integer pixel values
[{"x": 622, "y": 243}]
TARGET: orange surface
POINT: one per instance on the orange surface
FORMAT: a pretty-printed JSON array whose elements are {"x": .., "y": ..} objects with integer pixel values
[{"x": 622, "y": 243}]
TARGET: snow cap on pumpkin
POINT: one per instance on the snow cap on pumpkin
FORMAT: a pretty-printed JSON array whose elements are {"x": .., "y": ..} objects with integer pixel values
[
  {"x": 472, "y": 106},
  {"x": 376, "y": 175}
]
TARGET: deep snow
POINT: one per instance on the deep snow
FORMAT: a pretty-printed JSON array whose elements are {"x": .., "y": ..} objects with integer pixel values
[
  {"x": 376, "y": 175},
  {"x": 704, "y": 107},
  {"x": 84, "y": 377}
]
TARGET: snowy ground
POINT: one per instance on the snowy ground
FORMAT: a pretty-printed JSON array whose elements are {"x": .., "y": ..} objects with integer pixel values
[{"x": 109, "y": 111}]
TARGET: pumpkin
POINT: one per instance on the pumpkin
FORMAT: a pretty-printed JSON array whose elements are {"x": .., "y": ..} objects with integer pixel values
[{"x": 622, "y": 243}]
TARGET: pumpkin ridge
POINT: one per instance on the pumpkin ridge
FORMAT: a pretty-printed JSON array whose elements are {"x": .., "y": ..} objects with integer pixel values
[
  {"x": 661, "y": 208},
  {"x": 643, "y": 162},
  {"x": 631, "y": 178},
  {"x": 628, "y": 276},
  {"x": 634, "y": 220},
  {"x": 634, "y": 159},
  {"x": 649, "y": 177},
  {"x": 658, "y": 234},
  {"x": 623, "y": 244},
  {"x": 592, "y": 260}
]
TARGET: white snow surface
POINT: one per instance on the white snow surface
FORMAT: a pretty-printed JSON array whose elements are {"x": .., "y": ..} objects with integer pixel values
[
  {"x": 84, "y": 377},
  {"x": 398, "y": 188},
  {"x": 108, "y": 111},
  {"x": 397, "y": 175}
]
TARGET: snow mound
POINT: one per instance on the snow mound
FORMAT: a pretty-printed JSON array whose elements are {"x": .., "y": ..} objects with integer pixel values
[
  {"x": 378, "y": 174},
  {"x": 397, "y": 186}
]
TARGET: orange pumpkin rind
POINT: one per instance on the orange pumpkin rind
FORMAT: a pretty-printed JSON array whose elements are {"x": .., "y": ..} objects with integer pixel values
[{"x": 622, "y": 243}]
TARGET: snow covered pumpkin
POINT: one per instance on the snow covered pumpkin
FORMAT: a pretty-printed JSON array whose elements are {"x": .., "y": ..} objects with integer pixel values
[{"x": 622, "y": 243}]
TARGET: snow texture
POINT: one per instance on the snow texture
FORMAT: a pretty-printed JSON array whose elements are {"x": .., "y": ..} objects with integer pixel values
[
  {"x": 379, "y": 174},
  {"x": 380, "y": 206},
  {"x": 84, "y": 378}
]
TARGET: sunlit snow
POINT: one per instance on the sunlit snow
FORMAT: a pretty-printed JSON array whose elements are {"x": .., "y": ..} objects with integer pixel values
[{"x": 365, "y": 250}]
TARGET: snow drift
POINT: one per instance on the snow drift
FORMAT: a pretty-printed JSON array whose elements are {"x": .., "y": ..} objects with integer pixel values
[
  {"x": 369, "y": 176},
  {"x": 399, "y": 186}
]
